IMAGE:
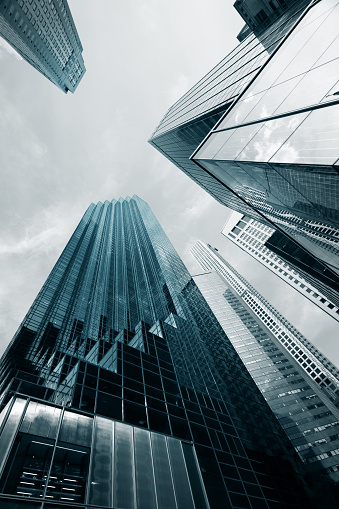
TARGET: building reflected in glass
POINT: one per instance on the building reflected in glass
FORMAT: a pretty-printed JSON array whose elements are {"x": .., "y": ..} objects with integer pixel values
[{"x": 120, "y": 388}]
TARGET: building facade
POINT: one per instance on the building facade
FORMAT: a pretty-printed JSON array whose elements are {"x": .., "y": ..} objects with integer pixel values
[
  {"x": 191, "y": 118},
  {"x": 120, "y": 388},
  {"x": 257, "y": 240},
  {"x": 277, "y": 145},
  {"x": 44, "y": 34},
  {"x": 298, "y": 382},
  {"x": 272, "y": 154}
]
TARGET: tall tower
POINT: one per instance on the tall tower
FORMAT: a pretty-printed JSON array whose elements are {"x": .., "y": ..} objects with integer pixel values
[
  {"x": 120, "y": 388},
  {"x": 257, "y": 239},
  {"x": 191, "y": 118},
  {"x": 273, "y": 153},
  {"x": 44, "y": 34},
  {"x": 299, "y": 383}
]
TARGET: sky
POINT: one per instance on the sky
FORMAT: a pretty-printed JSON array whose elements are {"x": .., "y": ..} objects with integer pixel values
[{"x": 59, "y": 153}]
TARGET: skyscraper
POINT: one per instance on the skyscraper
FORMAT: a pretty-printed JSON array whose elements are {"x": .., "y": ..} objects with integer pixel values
[
  {"x": 44, "y": 34},
  {"x": 299, "y": 383},
  {"x": 191, "y": 118},
  {"x": 120, "y": 389},
  {"x": 256, "y": 239},
  {"x": 272, "y": 154}
]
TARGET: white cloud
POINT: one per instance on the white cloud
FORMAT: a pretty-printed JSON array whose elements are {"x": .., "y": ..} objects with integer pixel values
[{"x": 43, "y": 241}]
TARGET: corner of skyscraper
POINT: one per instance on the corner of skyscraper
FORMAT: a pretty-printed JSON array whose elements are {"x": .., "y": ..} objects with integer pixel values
[
  {"x": 44, "y": 34},
  {"x": 258, "y": 136}
]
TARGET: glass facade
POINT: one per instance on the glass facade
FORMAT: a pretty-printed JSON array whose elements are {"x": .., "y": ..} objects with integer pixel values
[
  {"x": 120, "y": 388},
  {"x": 277, "y": 146},
  {"x": 288, "y": 370},
  {"x": 190, "y": 119},
  {"x": 257, "y": 240},
  {"x": 272, "y": 153},
  {"x": 67, "y": 457},
  {"x": 44, "y": 34}
]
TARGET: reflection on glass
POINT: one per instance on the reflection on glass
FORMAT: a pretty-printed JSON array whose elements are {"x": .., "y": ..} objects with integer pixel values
[
  {"x": 10, "y": 428},
  {"x": 100, "y": 488},
  {"x": 270, "y": 138},
  {"x": 180, "y": 479},
  {"x": 296, "y": 76},
  {"x": 235, "y": 143},
  {"x": 316, "y": 141},
  {"x": 76, "y": 429},
  {"x": 41, "y": 420},
  {"x": 145, "y": 488},
  {"x": 162, "y": 472},
  {"x": 123, "y": 489}
]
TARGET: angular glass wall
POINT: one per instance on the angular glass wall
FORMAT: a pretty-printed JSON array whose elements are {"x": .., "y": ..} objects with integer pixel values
[
  {"x": 190, "y": 119},
  {"x": 277, "y": 146}
]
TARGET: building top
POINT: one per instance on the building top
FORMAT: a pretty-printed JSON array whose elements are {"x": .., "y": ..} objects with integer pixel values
[{"x": 44, "y": 34}]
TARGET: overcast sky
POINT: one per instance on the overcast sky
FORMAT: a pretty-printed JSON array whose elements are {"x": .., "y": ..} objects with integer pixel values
[{"x": 61, "y": 152}]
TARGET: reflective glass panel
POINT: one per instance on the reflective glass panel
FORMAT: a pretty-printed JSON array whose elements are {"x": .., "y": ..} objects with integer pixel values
[
  {"x": 10, "y": 429},
  {"x": 41, "y": 420},
  {"x": 162, "y": 472},
  {"x": 100, "y": 488},
  {"x": 123, "y": 489},
  {"x": 315, "y": 141},
  {"x": 144, "y": 477},
  {"x": 76, "y": 429},
  {"x": 180, "y": 479}
]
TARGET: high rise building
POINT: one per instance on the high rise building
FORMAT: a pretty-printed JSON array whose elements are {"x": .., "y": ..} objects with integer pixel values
[
  {"x": 191, "y": 118},
  {"x": 120, "y": 388},
  {"x": 257, "y": 240},
  {"x": 298, "y": 382},
  {"x": 273, "y": 152},
  {"x": 44, "y": 34}
]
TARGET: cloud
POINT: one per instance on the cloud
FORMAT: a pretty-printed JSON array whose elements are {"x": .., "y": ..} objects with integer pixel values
[
  {"x": 44, "y": 241},
  {"x": 44, "y": 232},
  {"x": 202, "y": 202},
  {"x": 7, "y": 48}
]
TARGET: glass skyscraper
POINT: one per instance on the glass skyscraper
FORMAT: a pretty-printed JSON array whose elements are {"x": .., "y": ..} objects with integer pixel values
[
  {"x": 298, "y": 382},
  {"x": 273, "y": 153},
  {"x": 254, "y": 237},
  {"x": 121, "y": 390},
  {"x": 44, "y": 34},
  {"x": 191, "y": 118}
]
